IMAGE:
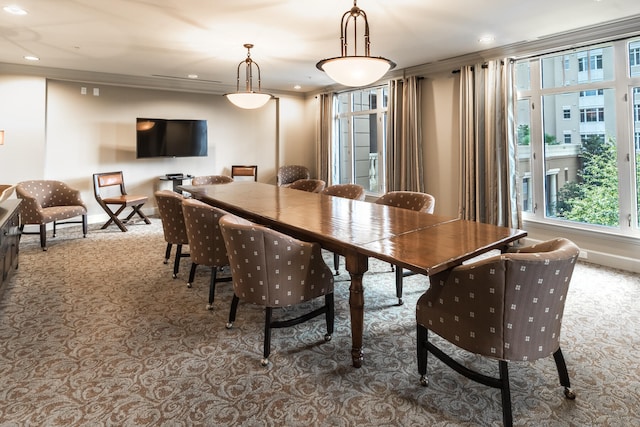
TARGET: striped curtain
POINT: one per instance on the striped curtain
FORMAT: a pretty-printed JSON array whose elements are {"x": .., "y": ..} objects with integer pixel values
[
  {"x": 324, "y": 136},
  {"x": 404, "y": 161},
  {"x": 488, "y": 144}
]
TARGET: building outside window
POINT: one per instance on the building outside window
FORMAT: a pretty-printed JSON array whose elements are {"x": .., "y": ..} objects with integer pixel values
[
  {"x": 598, "y": 186},
  {"x": 358, "y": 150}
]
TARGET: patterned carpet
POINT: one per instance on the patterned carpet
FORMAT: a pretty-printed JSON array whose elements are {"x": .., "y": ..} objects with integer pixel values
[{"x": 96, "y": 332}]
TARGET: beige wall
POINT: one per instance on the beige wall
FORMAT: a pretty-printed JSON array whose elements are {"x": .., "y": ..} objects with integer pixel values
[{"x": 55, "y": 132}]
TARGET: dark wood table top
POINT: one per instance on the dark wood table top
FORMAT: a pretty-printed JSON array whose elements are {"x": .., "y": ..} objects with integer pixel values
[{"x": 423, "y": 243}]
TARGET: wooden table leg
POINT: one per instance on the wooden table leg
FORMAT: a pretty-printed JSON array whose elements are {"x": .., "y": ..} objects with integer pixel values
[{"x": 357, "y": 265}]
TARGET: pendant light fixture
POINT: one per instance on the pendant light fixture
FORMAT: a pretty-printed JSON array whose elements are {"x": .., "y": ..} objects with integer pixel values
[
  {"x": 248, "y": 99},
  {"x": 355, "y": 70}
]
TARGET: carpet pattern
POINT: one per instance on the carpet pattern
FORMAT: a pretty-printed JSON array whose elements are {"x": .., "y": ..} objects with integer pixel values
[{"x": 95, "y": 332}]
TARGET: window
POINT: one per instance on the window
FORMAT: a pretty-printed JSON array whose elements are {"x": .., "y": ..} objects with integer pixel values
[
  {"x": 361, "y": 138},
  {"x": 592, "y": 115},
  {"x": 576, "y": 169}
]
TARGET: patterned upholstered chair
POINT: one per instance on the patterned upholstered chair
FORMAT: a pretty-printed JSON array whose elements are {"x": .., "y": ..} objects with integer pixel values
[
  {"x": 291, "y": 173},
  {"x": 507, "y": 307},
  {"x": 416, "y": 201},
  {"x": 347, "y": 191},
  {"x": 49, "y": 201},
  {"x": 309, "y": 185},
  {"x": 211, "y": 179},
  {"x": 273, "y": 270},
  {"x": 175, "y": 232},
  {"x": 206, "y": 244}
]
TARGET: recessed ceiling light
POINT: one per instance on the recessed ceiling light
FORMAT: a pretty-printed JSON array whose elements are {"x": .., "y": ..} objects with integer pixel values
[
  {"x": 31, "y": 58},
  {"x": 192, "y": 76},
  {"x": 14, "y": 10},
  {"x": 486, "y": 39},
  {"x": 297, "y": 87}
]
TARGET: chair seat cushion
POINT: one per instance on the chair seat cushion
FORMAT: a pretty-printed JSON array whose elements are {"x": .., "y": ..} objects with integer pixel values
[
  {"x": 58, "y": 213},
  {"x": 126, "y": 199}
]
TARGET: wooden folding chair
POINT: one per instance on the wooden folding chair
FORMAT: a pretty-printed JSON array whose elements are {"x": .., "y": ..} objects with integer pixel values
[
  {"x": 118, "y": 197},
  {"x": 238, "y": 170}
]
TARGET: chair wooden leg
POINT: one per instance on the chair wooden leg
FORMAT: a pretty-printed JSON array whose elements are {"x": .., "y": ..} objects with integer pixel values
[
  {"x": 167, "y": 253},
  {"x": 84, "y": 225},
  {"x": 505, "y": 392},
  {"x": 563, "y": 374},
  {"x": 192, "y": 274},
  {"x": 399, "y": 277},
  {"x": 212, "y": 287},
  {"x": 176, "y": 262},
  {"x": 232, "y": 311},
  {"x": 329, "y": 315},
  {"x": 267, "y": 336},
  {"x": 136, "y": 209},
  {"x": 43, "y": 236},
  {"x": 336, "y": 263},
  {"x": 422, "y": 353}
]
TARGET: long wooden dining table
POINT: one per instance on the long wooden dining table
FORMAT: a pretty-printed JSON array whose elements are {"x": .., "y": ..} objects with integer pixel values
[{"x": 420, "y": 242}]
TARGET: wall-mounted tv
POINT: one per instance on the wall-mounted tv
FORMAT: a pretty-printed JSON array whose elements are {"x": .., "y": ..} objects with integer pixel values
[{"x": 171, "y": 138}]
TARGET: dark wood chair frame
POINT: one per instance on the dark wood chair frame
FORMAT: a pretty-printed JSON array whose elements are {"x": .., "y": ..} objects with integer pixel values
[
  {"x": 245, "y": 170},
  {"x": 109, "y": 179}
]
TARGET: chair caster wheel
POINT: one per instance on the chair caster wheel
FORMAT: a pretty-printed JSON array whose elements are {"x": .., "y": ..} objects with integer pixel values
[
  {"x": 189, "y": 285},
  {"x": 327, "y": 337},
  {"x": 264, "y": 362},
  {"x": 229, "y": 325},
  {"x": 424, "y": 381},
  {"x": 210, "y": 307},
  {"x": 569, "y": 394}
]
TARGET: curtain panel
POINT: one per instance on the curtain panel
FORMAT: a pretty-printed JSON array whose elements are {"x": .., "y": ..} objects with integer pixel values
[
  {"x": 488, "y": 144},
  {"x": 324, "y": 136},
  {"x": 404, "y": 160}
]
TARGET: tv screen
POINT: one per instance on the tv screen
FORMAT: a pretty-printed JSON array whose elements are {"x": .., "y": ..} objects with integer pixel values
[{"x": 171, "y": 138}]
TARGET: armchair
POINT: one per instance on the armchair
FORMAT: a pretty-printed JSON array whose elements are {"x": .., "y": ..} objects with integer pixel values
[
  {"x": 290, "y": 173},
  {"x": 309, "y": 185},
  {"x": 206, "y": 244},
  {"x": 49, "y": 201},
  {"x": 175, "y": 232},
  {"x": 273, "y": 270},
  {"x": 416, "y": 201},
  {"x": 507, "y": 307},
  {"x": 347, "y": 191},
  {"x": 211, "y": 179}
]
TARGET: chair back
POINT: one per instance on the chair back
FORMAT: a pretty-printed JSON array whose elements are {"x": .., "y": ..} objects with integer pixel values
[
  {"x": 413, "y": 200},
  {"x": 291, "y": 173},
  {"x": 170, "y": 211},
  {"x": 41, "y": 194},
  {"x": 211, "y": 179},
  {"x": 206, "y": 245},
  {"x": 508, "y": 306},
  {"x": 111, "y": 182},
  {"x": 347, "y": 191},
  {"x": 272, "y": 269},
  {"x": 309, "y": 185},
  {"x": 244, "y": 170}
]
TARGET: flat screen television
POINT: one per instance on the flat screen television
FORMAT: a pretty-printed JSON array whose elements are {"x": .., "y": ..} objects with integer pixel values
[{"x": 171, "y": 138}]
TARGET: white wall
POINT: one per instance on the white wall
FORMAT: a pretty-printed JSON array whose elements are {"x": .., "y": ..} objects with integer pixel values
[{"x": 53, "y": 131}]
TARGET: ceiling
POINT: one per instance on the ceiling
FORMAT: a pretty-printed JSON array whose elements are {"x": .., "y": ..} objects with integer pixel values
[{"x": 170, "y": 39}]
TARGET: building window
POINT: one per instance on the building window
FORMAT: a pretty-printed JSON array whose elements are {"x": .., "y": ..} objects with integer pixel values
[
  {"x": 591, "y": 115},
  {"x": 358, "y": 150},
  {"x": 582, "y": 178},
  {"x": 566, "y": 113}
]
